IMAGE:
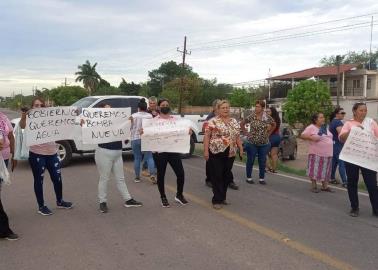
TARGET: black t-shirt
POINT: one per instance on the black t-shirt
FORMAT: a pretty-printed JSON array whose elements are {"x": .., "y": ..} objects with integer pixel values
[
  {"x": 153, "y": 113},
  {"x": 112, "y": 145}
]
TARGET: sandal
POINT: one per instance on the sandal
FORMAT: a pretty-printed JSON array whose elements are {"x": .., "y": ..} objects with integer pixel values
[
  {"x": 327, "y": 190},
  {"x": 315, "y": 190}
]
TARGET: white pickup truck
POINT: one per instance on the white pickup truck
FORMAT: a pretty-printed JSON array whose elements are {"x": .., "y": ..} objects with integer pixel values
[{"x": 69, "y": 147}]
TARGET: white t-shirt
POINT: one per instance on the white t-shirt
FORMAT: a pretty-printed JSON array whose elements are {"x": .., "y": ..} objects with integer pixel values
[{"x": 137, "y": 124}]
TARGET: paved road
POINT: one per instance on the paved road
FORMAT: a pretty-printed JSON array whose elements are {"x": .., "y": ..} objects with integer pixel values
[{"x": 278, "y": 226}]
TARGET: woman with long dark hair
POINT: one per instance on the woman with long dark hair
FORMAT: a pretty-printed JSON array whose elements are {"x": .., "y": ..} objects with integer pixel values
[
  {"x": 274, "y": 139},
  {"x": 319, "y": 152},
  {"x": 352, "y": 170},
  {"x": 335, "y": 127},
  {"x": 41, "y": 157}
]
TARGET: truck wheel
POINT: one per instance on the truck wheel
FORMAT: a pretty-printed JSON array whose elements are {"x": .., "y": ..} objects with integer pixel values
[{"x": 64, "y": 152}]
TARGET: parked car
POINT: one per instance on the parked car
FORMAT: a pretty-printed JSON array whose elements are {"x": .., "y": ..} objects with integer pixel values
[
  {"x": 288, "y": 146},
  {"x": 66, "y": 148}
]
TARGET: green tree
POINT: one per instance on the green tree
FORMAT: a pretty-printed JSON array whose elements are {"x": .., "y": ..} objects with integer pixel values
[
  {"x": 240, "y": 97},
  {"x": 107, "y": 90},
  {"x": 166, "y": 73},
  {"x": 307, "y": 98},
  {"x": 352, "y": 57},
  {"x": 130, "y": 89},
  {"x": 89, "y": 76},
  {"x": 67, "y": 95},
  {"x": 192, "y": 86}
]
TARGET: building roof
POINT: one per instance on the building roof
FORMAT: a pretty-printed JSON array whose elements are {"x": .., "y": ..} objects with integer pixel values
[{"x": 313, "y": 72}]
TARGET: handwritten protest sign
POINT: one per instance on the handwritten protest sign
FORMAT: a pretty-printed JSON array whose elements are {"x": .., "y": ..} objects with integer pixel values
[
  {"x": 161, "y": 135},
  {"x": 50, "y": 124},
  {"x": 103, "y": 125},
  {"x": 361, "y": 148}
]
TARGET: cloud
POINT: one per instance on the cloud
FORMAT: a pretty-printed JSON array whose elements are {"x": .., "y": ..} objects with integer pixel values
[{"x": 43, "y": 41}]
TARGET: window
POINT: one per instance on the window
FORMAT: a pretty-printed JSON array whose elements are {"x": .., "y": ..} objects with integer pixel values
[
  {"x": 356, "y": 83},
  {"x": 113, "y": 102},
  {"x": 133, "y": 103},
  {"x": 368, "y": 84}
]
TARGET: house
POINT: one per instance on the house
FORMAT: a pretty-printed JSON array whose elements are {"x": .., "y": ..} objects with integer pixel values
[{"x": 356, "y": 84}]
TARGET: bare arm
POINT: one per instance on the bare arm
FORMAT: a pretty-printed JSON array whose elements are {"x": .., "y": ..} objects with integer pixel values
[
  {"x": 206, "y": 141},
  {"x": 23, "y": 120},
  {"x": 242, "y": 126}
]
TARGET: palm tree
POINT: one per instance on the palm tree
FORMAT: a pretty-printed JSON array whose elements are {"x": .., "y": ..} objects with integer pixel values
[{"x": 89, "y": 76}]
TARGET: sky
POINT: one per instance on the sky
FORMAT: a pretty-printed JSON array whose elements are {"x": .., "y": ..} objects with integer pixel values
[{"x": 42, "y": 42}]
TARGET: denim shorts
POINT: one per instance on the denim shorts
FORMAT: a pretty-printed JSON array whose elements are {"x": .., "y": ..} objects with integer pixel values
[{"x": 275, "y": 140}]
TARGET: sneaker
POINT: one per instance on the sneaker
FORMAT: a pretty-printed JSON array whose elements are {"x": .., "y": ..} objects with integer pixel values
[
  {"x": 345, "y": 185},
  {"x": 181, "y": 199},
  {"x": 209, "y": 184},
  {"x": 145, "y": 173},
  {"x": 354, "y": 212},
  {"x": 133, "y": 203},
  {"x": 12, "y": 237},
  {"x": 233, "y": 186},
  {"x": 164, "y": 202},
  {"x": 45, "y": 211},
  {"x": 153, "y": 179},
  {"x": 334, "y": 181},
  {"x": 217, "y": 206},
  {"x": 137, "y": 179},
  {"x": 103, "y": 207},
  {"x": 250, "y": 181},
  {"x": 262, "y": 182},
  {"x": 64, "y": 205},
  {"x": 225, "y": 202}
]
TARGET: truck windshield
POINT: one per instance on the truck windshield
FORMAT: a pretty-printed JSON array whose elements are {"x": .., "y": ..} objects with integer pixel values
[{"x": 84, "y": 102}]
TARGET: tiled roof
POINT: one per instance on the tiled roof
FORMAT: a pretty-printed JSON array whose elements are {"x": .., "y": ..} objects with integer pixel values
[{"x": 314, "y": 72}]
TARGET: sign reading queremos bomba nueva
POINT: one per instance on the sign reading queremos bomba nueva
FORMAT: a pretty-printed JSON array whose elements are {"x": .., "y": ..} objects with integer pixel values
[{"x": 103, "y": 125}]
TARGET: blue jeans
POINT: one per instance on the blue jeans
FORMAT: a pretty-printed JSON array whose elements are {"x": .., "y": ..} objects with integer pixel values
[
  {"x": 38, "y": 164},
  {"x": 136, "y": 146},
  {"x": 336, "y": 161},
  {"x": 261, "y": 151}
]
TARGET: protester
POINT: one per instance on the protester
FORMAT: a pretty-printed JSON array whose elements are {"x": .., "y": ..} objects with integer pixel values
[
  {"x": 261, "y": 126},
  {"x": 222, "y": 139},
  {"x": 274, "y": 139},
  {"x": 335, "y": 126},
  {"x": 108, "y": 157},
  {"x": 7, "y": 151},
  {"x": 41, "y": 157},
  {"x": 174, "y": 159},
  {"x": 319, "y": 162},
  {"x": 136, "y": 126},
  {"x": 353, "y": 171},
  {"x": 211, "y": 115},
  {"x": 154, "y": 111},
  {"x": 232, "y": 183}
]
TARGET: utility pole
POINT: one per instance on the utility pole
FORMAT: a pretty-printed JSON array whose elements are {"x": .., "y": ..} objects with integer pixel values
[
  {"x": 371, "y": 39},
  {"x": 338, "y": 60},
  {"x": 184, "y": 53}
]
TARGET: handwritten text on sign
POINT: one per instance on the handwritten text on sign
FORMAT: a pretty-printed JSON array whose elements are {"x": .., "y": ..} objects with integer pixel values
[
  {"x": 162, "y": 135},
  {"x": 361, "y": 148},
  {"x": 103, "y": 125},
  {"x": 50, "y": 124}
]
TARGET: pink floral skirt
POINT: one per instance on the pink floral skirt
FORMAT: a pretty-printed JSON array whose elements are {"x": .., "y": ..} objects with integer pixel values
[{"x": 319, "y": 168}]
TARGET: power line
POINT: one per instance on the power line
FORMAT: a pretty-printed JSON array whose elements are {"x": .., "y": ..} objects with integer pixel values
[
  {"x": 292, "y": 36},
  {"x": 286, "y": 29}
]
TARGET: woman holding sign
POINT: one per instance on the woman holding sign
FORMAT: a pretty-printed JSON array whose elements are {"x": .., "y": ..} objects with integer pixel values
[
  {"x": 320, "y": 151},
  {"x": 222, "y": 139},
  {"x": 6, "y": 150},
  {"x": 108, "y": 157},
  {"x": 41, "y": 157},
  {"x": 174, "y": 159},
  {"x": 352, "y": 170}
]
